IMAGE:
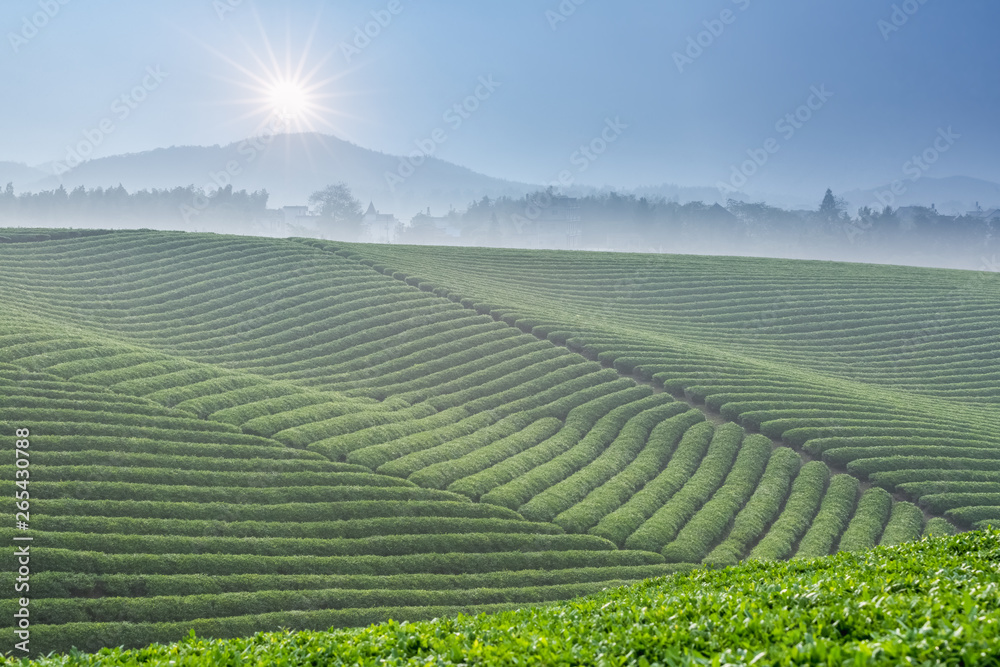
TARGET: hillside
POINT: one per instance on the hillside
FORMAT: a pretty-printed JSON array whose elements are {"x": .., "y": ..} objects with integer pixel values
[
  {"x": 953, "y": 194},
  {"x": 19, "y": 173},
  {"x": 234, "y": 434},
  {"x": 932, "y": 602},
  {"x": 890, "y": 372},
  {"x": 290, "y": 167}
]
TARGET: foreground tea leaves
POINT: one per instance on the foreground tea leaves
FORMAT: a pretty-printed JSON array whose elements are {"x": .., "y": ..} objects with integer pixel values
[{"x": 934, "y": 602}]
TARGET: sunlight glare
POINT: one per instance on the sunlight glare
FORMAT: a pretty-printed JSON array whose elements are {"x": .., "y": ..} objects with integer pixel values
[{"x": 289, "y": 100}]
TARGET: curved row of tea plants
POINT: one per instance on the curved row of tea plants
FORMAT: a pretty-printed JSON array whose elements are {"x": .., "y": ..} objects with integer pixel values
[
  {"x": 889, "y": 372},
  {"x": 291, "y": 424},
  {"x": 105, "y": 533},
  {"x": 928, "y": 602}
]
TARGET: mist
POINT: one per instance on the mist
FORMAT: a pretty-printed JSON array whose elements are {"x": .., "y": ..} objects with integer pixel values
[{"x": 708, "y": 129}]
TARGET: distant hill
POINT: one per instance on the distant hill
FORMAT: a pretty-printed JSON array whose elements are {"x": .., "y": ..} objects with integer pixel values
[
  {"x": 683, "y": 194},
  {"x": 954, "y": 194},
  {"x": 19, "y": 174},
  {"x": 292, "y": 167}
]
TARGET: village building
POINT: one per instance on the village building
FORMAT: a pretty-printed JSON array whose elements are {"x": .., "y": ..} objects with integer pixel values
[
  {"x": 440, "y": 227},
  {"x": 558, "y": 224},
  {"x": 379, "y": 227}
]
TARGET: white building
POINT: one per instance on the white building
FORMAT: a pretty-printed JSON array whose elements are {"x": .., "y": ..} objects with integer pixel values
[
  {"x": 297, "y": 220},
  {"x": 991, "y": 215},
  {"x": 292, "y": 214},
  {"x": 448, "y": 226},
  {"x": 378, "y": 227},
  {"x": 558, "y": 224}
]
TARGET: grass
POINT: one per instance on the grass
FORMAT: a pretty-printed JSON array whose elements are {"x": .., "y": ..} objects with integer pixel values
[
  {"x": 877, "y": 368},
  {"x": 263, "y": 412},
  {"x": 932, "y": 602}
]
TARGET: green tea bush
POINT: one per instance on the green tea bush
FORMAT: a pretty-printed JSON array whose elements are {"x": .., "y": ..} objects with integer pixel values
[
  {"x": 663, "y": 526},
  {"x": 578, "y": 422},
  {"x": 286, "y": 413},
  {"x": 940, "y": 503},
  {"x": 834, "y": 514},
  {"x": 709, "y": 524},
  {"x": 653, "y": 458},
  {"x": 437, "y": 430},
  {"x": 72, "y": 585},
  {"x": 516, "y": 493},
  {"x": 314, "y": 528},
  {"x": 624, "y": 521},
  {"x": 208, "y": 479},
  {"x": 938, "y": 527},
  {"x": 801, "y": 507},
  {"x": 925, "y": 588},
  {"x": 868, "y": 522},
  {"x": 94, "y": 562},
  {"x": 193, "y": 607},
  {"x": 389, "y": 488},
  {"x": 400, "y": 507},
  {"x": 355, "y": 420},
  {"x": 445, "y": 467},
  {"x": 760, "y": 511},
  {"x": 375, "y": 545},
  {"x": 630, "y": 440},
  {"x": 906, "y": 523},
  {"x": 99, "y": 446}
]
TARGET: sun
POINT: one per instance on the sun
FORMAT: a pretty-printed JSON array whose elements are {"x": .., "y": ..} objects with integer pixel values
[
  {"x": 290, "y": 101},
  {"x": 290, "y": 90}
]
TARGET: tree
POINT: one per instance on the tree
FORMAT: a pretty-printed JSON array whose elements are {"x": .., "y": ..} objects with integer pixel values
[
  {"x": 832, "y": 208},
  {"x": 7, "y": 202},
  {"x": 337, "y": 203}
]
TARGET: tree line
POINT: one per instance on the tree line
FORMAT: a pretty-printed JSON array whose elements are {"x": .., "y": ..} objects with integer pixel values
[
  {"x": 180, "y": 205},
  {"x": 630, "y": 222},
  {"x": 609, "y": 221}
]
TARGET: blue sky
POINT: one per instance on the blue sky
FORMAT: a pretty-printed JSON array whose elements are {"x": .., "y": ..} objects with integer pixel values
[{"x": 562, "y": 75}]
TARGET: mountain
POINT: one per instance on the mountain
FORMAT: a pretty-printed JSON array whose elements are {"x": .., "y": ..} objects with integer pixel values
[
  {"x": 680, "y": 193},
  {"x": 19, "y": 174},
  {"x": 952, "y": 195},
  {"x": 291, "y": 167}
]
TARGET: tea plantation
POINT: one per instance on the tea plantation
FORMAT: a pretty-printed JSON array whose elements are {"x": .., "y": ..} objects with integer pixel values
[
  {"x": 235, "y": 434},
  {"x": 926, "y": 603},
  {"x": 889, "y": 373}
]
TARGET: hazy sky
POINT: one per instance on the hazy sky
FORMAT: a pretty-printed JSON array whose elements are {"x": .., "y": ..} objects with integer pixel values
[{"x": 883, "y": 77}]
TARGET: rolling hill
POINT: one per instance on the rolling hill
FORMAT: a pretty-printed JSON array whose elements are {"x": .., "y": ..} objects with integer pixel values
[
  {"x": 932, "y": 602},
  {"x": 231, "y": 434},
  {"x": 890, "y": 372},
  {"x": 290, "y": 167}
]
